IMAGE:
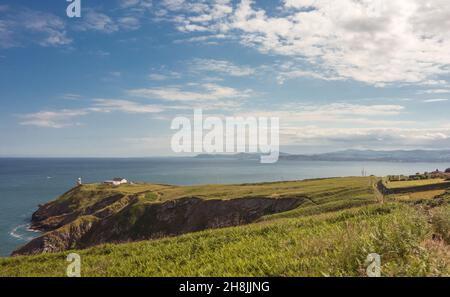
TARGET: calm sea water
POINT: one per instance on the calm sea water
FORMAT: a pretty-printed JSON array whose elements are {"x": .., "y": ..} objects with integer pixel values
[{"x": 25, "y": 183}]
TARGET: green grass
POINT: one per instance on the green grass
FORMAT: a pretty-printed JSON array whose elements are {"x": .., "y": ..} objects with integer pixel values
[
  {"x": 441, "y": 222},
  {"x": 317, "y": 187},
  {"x": 414, "y": 183},
  {"x": 84, "y": 199},
  {"x": 331, "y": 244},
  {"x": 330, "y": 234}
]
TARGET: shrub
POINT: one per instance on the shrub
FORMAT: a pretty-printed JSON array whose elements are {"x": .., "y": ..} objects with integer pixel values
[{"x": 441, "y": 222}]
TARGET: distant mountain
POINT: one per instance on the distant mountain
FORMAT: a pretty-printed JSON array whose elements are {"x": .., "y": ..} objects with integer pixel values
[
  {"x": 388, "y": 156},
  {"x": 352, "y": 155},
  {"x": 239, "y": 156}
]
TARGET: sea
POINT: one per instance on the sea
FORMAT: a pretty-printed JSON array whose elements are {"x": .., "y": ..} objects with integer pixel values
[{"x": 26, "y": 182}]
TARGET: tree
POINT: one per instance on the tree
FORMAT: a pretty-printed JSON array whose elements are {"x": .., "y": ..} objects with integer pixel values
[{"x": 447, "y": 170}]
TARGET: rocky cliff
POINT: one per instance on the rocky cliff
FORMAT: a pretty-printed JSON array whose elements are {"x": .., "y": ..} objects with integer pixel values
[{"x": 85, "y": 217}]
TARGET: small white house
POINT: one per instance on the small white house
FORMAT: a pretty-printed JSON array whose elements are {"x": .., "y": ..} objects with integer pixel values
[{"x": 116, "y": 181}]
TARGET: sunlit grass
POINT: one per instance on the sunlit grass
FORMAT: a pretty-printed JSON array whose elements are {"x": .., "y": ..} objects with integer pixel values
[
  {"x": 414, "y": 183},
  {"x": 331, "y": 244}
]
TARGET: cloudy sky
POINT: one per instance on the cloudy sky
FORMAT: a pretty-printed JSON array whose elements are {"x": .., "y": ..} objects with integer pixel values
[{"x": 339, "y": 74}]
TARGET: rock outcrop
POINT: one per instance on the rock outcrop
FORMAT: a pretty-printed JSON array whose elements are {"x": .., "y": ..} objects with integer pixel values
[
  {"x": 59, "y": 240},
  {"x": 81, "y": 219},
  {"x": 183, "y": 216}
]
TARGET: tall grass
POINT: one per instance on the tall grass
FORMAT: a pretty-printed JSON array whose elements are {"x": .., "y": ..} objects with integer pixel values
[{"x": 330, "y": 244}]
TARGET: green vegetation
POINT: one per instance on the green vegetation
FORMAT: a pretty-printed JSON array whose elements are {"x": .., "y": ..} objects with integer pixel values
[
  {"x": 417, "y": 196},
  {"x": 328, "y": 193},
  {"x": 87, "y": 195},
  {"x": 441, "y": 222},
  {"x": 330, "y": 234},
  {"x": 414, "y": 183}
]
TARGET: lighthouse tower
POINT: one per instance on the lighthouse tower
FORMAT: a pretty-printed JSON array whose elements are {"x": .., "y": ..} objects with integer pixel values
[{"x": 79, "y": 183}]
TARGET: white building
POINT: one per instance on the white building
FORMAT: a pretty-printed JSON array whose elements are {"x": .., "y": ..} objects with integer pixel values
[{"x": 116, "y": 181}]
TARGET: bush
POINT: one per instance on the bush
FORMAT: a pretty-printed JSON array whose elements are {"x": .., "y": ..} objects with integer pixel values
[
  {"x": 441, "y": 222},
  {"x": 447, "y": 170}
]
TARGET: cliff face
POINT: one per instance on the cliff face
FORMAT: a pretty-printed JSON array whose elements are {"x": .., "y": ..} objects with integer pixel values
[
  {"x": 182, "y": 216},
  {"x": 67, "y": 209},
  {"x": 61, "y": 239},
  {"x": 81, "y": 218}
]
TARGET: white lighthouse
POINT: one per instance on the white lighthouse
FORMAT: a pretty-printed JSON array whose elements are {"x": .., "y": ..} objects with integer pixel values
[{"x": 79, "y": 183}]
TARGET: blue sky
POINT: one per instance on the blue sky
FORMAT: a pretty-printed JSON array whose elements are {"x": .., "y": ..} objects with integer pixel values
[{"x": 339, "y": 74}]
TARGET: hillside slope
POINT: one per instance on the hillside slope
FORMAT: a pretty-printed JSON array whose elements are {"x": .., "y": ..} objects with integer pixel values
[
  {"x": 94, "y": 214},
  {"x": 330, "y": 234}
]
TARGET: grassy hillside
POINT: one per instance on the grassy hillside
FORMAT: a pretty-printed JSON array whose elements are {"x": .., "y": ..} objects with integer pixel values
[
  {"x": 90, "y": 193},
  {"x": 414, "y": 183},
  {"x": 89, "y": 197},
  {"x": 330, "y": 234}
]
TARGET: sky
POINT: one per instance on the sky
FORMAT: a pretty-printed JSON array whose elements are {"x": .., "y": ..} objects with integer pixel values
[{"x": 339, "y": 74}]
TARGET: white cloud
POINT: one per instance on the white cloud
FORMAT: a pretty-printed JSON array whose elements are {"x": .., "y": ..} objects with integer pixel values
[
  {"x": 157, "y": 76},
  {"x": 161, "y": 75},
  {"x": 211, "y": 39},
  {"x": 46, "y": 29},
  {"x": 128, "y": 17},
  {"x": 52, "y": 119},
  {"x": 435, "y": 83},
  {"x": 346, "y": 125},
  {"x": 377, "y": 42},
  {"x": 129, "y": 22},
  {"x": 93, "y": 20},
  {"x": 115, "y": 73},
  {"x": 291, "y": 70},
  {"x": 366, "y": 137},
  {"x": 219, "y": 106},
  {"x": 97, "y": 21},
  {"x": 6, "y": 35},
  {"x": 71, "y": 96},
  {"x": 66, "y": 117},
  {"x": 128, "y": 3},
  {"x": 192, "y": 92},
  {"x": 50, "y": 26},
  {"x": 435, "y": 91},
  {"x": 19, "y": 27},
  {"x": 197, "y": 16},
  {"x": 132, "y": 12},
  {"x": 108, "y": 105},
  {"x": 434, "y": 100},
  {"x": 174, "y": 4},
  {"x": 136, "y": 4},
  {"x": 346, "y": 113},
  {"x": 222, "y": 67}
]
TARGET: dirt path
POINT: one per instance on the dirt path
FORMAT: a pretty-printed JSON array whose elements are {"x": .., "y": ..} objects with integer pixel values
[{"x": 378, "y": 194}]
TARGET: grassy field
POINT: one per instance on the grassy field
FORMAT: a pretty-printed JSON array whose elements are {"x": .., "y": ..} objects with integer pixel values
[
  {"x": 414, "y": 183},
  {"x": 319, "y": 191},
  {"x": 418, "y": 196},
  {"x": 319, "y": 187},
  {"x": 330, "y": 235}
]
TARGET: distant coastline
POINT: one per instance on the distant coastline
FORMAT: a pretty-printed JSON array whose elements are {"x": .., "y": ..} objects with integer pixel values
[
  {"x": 410, "y": 156},
  {"x": 350, "y": 155}
]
